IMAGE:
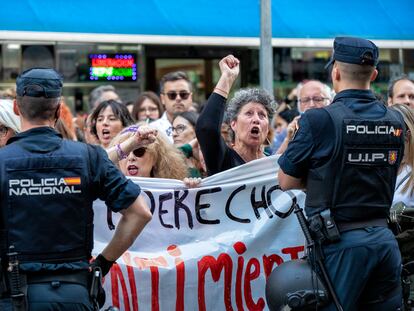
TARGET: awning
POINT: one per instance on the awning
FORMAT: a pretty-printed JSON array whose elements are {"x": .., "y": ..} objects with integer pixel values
[{"x": 225, "y": 22}]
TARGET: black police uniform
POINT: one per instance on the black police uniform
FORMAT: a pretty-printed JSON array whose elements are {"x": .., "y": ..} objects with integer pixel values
[
  {"x": 48, "y": 185},
  {"x": 349, "y": 152}
]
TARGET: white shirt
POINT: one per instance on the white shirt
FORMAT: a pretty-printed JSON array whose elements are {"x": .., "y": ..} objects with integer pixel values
[
  {"x": 399, "y": 196},
  {"x": 164, "y": 125}
]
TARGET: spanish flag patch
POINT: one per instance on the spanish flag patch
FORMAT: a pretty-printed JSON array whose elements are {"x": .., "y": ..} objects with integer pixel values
[{"x": 72, "y": 181}]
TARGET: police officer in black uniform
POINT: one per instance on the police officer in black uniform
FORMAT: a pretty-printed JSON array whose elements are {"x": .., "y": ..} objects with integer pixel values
[
  {"x": 346, "y": 156},
  {"x": 47, "y": 187}
]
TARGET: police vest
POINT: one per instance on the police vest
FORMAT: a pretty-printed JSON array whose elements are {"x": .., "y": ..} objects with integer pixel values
[
  {"x": 358, "y": 182},
  {"x": 45, "y": 204}
]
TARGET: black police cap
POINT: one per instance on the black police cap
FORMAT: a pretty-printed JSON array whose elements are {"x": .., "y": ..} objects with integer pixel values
[
  {"x": 39, "y": 82},
  {"x": 354, "y": 51}
]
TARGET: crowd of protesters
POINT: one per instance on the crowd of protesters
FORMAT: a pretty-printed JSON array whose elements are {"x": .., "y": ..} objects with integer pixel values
[
  {"x": 250, "y": 126},
  {"x": 170, "y": 136}
]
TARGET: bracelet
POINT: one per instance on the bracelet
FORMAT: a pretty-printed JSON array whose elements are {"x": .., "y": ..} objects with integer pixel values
[
  {"x": 221, "y": 90},
  {"x": 121, "y": 155}
]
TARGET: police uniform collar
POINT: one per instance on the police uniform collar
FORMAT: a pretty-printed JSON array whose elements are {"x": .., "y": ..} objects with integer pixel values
[
  {"x": 360, "y": 94},
  {"x": 34, "y": 132}
]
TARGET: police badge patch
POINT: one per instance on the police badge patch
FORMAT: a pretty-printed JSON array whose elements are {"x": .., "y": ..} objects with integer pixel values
[{"x": 392, "y": 156}]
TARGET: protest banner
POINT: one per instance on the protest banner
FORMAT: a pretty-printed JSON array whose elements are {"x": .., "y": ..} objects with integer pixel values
[{"x": 207, "y": 248}]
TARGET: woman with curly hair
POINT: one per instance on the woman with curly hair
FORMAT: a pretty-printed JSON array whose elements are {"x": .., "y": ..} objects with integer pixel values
[
  {"x": 158, "y": 158},
  {"x": 249, "y": 113}
]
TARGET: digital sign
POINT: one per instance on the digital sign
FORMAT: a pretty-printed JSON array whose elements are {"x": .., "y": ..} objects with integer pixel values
[{"x": 112, "y": 67}]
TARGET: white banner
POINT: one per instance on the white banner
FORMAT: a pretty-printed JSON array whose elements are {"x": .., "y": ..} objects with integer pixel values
[{"x": 208, "y": 248}]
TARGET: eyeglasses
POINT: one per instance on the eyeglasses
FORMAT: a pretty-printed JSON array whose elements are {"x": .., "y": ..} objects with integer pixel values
[
  {"x": 139, "y": 153},
  {"x": 148, "y": 109},
  {"x": 173, "y": 95},
  {"x": 179, "y": 128},
  {"x": 3, "y": 131},
  {"x": 315, "y": 99}
]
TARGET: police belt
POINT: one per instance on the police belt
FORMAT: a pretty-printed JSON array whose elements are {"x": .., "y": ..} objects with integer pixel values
[
  {"x": 347, "y": 226},
  {"x": 74, "y": 277}
]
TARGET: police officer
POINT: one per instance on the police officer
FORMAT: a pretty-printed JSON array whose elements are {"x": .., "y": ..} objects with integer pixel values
[
  {"x": 346, "y": 156},
  {"x": 48, "y": 185}
]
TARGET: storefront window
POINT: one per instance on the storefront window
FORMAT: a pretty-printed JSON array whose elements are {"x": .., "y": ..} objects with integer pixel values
[{"x": 11, "y": 54}]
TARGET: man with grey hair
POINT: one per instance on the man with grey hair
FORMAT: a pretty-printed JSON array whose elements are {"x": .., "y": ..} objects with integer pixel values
[
  {"x": 176, "y": 96},
  {"x": 312, "y": 94},
  {"x": 102, "y": 93},
  {"x": 401, "y": 91},
  {"x": 249, "y": 113}
]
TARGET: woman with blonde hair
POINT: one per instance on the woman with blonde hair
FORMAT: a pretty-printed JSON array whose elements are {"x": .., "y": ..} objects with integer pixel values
[
  {"x": 404, "y": 187},
  {"x": 158, "y": 158}
]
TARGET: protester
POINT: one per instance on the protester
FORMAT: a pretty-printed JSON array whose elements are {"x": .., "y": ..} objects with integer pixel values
[
  {"x": 280, "y": 124},
  {"x": 312, "y": 94},
  {"x": 108, "y": 119},
  {"x": 249, "y": 112},
  {"x": 403, "y": 201},
  {"x": 184, "y": 136},
  {"x": 63, "y": 130},
  {"x": 66, "y": 118},
  {"x": 100, "y": 94},
  {"x": 401, "y": 91},
  {"x": 227, "y": 133},
  {"x": 130, "y": 106},
  {"x": 9, "y": 121},
  {"x": 9, "y": 93},
  {"x": 404, "y": 191},
  {"x": 88, "y": 135},
  {"x": 158, "y": 159},
  {"x": 147, "y": 108},
  {"x": 52, "y": 233},
  {"x": 349, "y": 170},
  {"x": 176, "y": 96}
]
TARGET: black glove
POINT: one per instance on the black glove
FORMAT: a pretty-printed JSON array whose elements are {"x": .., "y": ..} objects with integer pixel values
[{"x": 103, "y": 263}]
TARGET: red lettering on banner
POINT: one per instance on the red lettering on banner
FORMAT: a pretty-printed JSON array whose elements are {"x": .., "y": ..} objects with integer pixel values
[
  {"x": 175, "y": 251},
  {"x": 116, "y": 275},
  {"x": 240, "y": 248},
  {"x": 225, "y": 262},
  {"x": 293, "y": 251},
  {"x": 245, "y": 275},
  {"x": 131, "y": 277},
  {"x": 155, "y": 284},
  {"x": 153, "y": 264},
  {"x": 248, "y": 277},
  {"x": 269, "y": 262}
]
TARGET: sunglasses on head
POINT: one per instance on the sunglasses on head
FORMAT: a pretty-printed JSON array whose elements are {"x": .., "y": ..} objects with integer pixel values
[
  {"x": 173, "y": 95},
  {"x": 139, "y": 152}
]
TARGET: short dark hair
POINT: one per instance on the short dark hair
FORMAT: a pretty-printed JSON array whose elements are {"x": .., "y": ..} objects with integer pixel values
[
  {"x": 119, "y": 110},
  {"x": 190, "y": 116},
  {"x": 143, "y": 96},
  {"x": 394, "y": 81},
  {"x": 354, "y": 72},
  {"x": 175, "y": 76},
  {"x": 38, "y": 108}
]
